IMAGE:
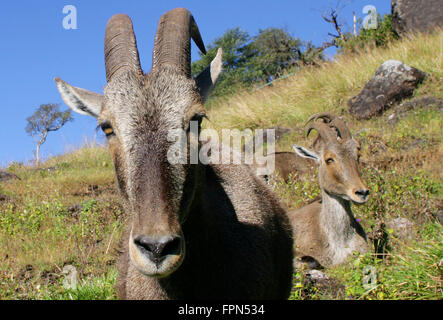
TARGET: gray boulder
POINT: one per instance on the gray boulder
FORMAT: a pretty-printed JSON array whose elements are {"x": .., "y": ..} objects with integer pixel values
[
  {"x": 416, "y": 15},
  {"x": 316, "y": 275},
  {"x": 393, "y": 81}
]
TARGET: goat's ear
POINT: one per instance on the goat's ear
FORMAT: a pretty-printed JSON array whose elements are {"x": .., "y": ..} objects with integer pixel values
[
  {"x": 80, "y": 100},
  {"x": 305, "y": 153},
  {"x": 207, "y": 79}
]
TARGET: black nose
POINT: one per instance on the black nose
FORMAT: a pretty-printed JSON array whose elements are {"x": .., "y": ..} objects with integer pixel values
[
  {"x": 363, "y": 193},
  {"x": 157, "y": 250}
]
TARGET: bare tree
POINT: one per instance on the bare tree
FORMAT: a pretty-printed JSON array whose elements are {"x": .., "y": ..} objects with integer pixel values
[
  {"x": 45, "y": 119},
  {"x": 331, "y": 15}
]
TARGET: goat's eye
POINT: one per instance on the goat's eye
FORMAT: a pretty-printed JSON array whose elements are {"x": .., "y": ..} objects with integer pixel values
[
  {"x": 329, "y": 160},
  {"x": 107, "y": 129}
]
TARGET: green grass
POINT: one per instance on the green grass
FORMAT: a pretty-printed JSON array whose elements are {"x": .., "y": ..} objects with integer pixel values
[
  {"x": 411, "y": 271},
  {"x": 72, "y": 215},
  {"x": 93, "y": 288}
]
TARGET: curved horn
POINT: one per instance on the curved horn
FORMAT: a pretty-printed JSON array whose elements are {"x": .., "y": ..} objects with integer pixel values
[
  {"x": 120, "y": 46},
  {"x": 323, "y": 130},
  {"x": 172, "y": 41},
  {"x": 326, "y": 116},
  {"x": 342, "y": 129}
]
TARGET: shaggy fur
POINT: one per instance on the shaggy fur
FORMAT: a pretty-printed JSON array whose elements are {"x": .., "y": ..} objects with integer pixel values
[
  {"x": 237, "y": 240},
  {"x": 237, "y": 237}
]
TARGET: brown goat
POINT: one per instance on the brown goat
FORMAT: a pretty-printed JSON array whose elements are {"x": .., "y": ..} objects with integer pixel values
[
  {"x": 196, "y": 231},
  {"x": 326, "y": 231},
  {"x": 290, "y": 164}
]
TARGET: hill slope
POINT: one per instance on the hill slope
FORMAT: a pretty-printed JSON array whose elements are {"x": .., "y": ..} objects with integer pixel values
[{"x": 70, "y": 214}]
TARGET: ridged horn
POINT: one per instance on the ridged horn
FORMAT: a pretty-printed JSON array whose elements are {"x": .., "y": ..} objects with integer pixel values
[
  {"x": 120, "y": 46},
  {"x": 332, "y": 120},
  {"x": 342, "y": 128},
  {"x": 325, "y": 132},
  {"x": 173, "y": 40}
]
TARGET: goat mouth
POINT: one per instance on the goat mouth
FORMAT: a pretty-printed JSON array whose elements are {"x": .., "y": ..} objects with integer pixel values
[
  {"x": 359, "y": 200},
  {"x": 358, "y": 196}
]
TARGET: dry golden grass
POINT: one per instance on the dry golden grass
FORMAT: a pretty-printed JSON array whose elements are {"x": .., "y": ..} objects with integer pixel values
[{"x": 328, "y": 87}]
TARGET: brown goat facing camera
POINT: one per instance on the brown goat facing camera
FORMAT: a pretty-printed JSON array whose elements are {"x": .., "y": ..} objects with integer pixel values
[
  {"x": 326, "y": 232},
  {"x": 196, "y": 231}
]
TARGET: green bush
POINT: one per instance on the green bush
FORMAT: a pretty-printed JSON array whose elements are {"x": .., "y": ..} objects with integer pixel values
[{"x": 369, "y": 38}]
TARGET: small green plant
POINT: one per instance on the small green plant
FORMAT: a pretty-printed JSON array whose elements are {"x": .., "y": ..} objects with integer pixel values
[{"x": 92, "y": 288}]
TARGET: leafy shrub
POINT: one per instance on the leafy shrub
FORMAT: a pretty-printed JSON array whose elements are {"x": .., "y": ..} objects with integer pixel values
[{"x": 369, "y": 38}]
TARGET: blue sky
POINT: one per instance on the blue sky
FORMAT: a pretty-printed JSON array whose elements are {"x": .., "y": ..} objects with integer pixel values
[{"x": 35, "y": 47}]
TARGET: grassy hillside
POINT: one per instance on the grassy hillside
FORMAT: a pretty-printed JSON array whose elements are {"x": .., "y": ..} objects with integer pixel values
[{"x": 71, "y": 213}]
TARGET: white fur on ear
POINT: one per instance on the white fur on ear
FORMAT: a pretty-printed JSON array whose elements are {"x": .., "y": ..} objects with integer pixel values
[
  {"x": 305, "y": 153},
  {"x": 80, "y": 100}
]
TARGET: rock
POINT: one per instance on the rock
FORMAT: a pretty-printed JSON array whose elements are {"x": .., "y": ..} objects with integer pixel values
[
  {"x": 318, "y": 283},
  {"x": 422, "y": 102},
  {"x": 440, "y": 216},
  {"x": 414, "y": 104},
  {"x": 402, "y": 227},
  {"x": 5, "y": 176},
  {"x": 416, "y": 15},
  {"x": 4, "y": 197},
  {"x": 316, "y": 275},
  {"x": 392, "y": 82}
]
